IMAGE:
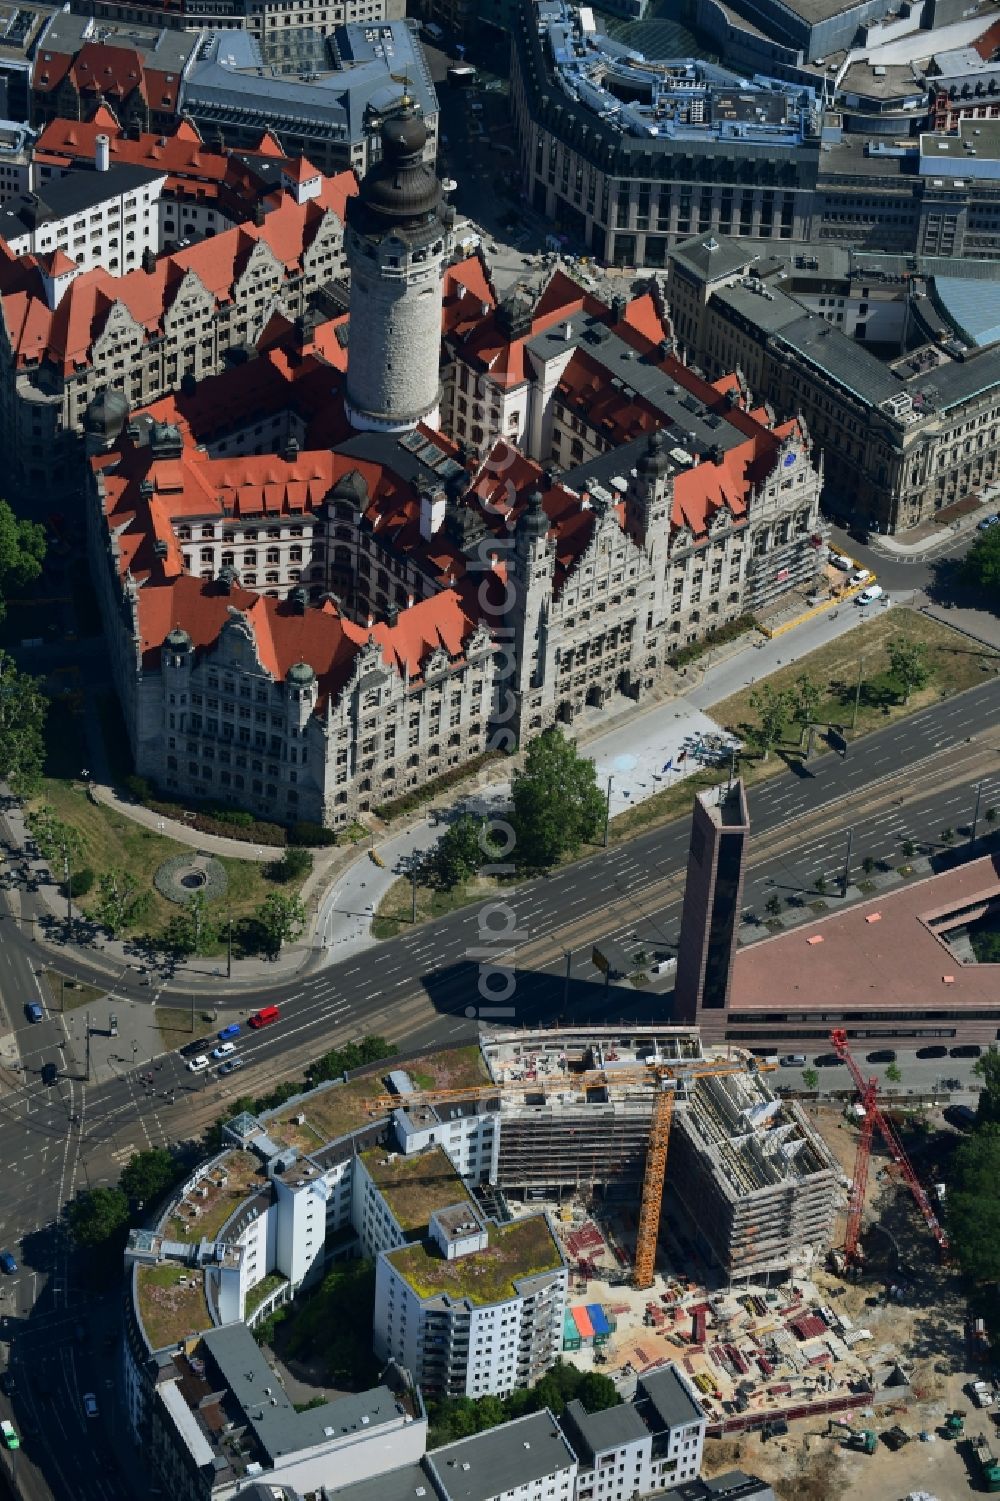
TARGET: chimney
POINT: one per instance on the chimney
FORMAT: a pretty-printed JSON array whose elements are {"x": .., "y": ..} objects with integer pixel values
[
  {"x": 299, "y": 600},
  {"x": 102, "y": 153},
  {"x": 432, "y": 511},
  {"x": 392, "y": 616},
  {"x": 290, "y": 452}
]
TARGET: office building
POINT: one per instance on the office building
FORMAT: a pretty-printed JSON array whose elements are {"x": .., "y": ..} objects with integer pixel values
[{"x": 713, "y": 895}]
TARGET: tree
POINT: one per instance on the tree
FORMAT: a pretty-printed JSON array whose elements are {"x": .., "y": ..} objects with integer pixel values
[
  {"x": 294, "y": 865},
  {"x": 908, "y": 664},
  {"x": 60, "y": 843},
  {"x": 868, "y": 864},
  {"x": 948, "y": 835},
  {"x": 22, "y": 552},
  {"x": 981, "y": 567},
  {"x": 121, "y": 900},
  {"x": 23, "y": 708},
  {"x": 810, "y": 1078},
  {"x": 987, "y": 1068},
  {"x": 893, "y": 1073},
  {"x": 909, "y": 848},
  {"x": 773, "y": 904},
  {"x": 282, "y": 918},
  {"x": 460, "y": 851},
  {"x": 974, "y": 1204},
  {"x": 773, "y": 708},
  {"x": 990, "y": 815},
  {"x": 192, "y": 930},
  {"x": 557, "y": 803},
  {"x": 820, "y": 883},
  {"x": 148, "y": 1175},
  {"x": 806, "y": 697},
  {"x": 98, "y": 1216}
]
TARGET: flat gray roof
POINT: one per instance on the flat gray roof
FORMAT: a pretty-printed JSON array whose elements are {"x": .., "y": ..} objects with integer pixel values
[
  {"x": 501, "y": 1459},
  {"x": 674, "y": 1404},
  {"x": 612, "y": 1428},
  {"x": 406, "y": 1484},
  {"x": 685, "y": 414},
  {"x": 709, "y": 256},
  {"x": 82, "y": 188},
  {"x": 279, "y": 1429}
]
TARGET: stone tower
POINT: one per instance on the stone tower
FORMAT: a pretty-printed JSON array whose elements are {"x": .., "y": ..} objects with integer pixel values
[
  {"x": 529, "y": 579},
  {"x": 398, "y": 239}
]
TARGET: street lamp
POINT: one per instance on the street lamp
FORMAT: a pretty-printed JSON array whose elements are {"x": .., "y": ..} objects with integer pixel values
[
  {"x": 857, "y": 693},
  {"x": 607, "y": 813}
]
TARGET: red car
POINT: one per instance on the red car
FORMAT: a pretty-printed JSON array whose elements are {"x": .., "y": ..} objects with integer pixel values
[{"x": 264, "y": 1017}]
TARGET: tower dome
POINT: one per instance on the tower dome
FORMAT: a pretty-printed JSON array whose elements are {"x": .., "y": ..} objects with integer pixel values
[
  {"x": 534, "y": 522},
  {"x": 105, "y": 416},
  {"x": 654, "y": 461},
  {"x": 401, "y": 188}
]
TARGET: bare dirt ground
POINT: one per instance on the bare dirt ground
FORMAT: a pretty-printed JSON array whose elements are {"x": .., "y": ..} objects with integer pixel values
[{"x": 925, "y": 1331}]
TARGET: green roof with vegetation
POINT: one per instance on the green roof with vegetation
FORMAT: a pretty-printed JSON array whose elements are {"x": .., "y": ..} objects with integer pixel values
[
  {"x": 201, "y": 1215},
  {"x": 415, "y": 1186},
  {"x": 171, "y": 1302},
  {"x": 524, "y": 1248}
]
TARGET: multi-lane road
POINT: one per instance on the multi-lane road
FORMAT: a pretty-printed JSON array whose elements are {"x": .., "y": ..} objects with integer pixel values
[{"x": 911, "y": 780}]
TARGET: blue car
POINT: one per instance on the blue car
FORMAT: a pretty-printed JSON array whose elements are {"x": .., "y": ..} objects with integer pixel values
[
  {"x": 987, "y": 522},
  {"x": 7, "y": 1263},
  {"x": 233, "y": 1030},
  {"x": 34, "y": 1012}
]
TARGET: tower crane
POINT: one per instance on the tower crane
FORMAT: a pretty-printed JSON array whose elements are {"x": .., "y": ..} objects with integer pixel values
[
  {"x": 665, "y": 1078},
  {"x": 873, "y": 1116}
]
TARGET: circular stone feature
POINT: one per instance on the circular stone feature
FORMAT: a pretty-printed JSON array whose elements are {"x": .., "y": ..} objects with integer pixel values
[{"x": 179, "y": 878}]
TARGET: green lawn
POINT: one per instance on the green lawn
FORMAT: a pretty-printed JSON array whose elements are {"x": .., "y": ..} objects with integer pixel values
[
  {"x": 954, "y": 661},
  {"x": 68, "y": 994},
  {"x": 110, "y": 841}
]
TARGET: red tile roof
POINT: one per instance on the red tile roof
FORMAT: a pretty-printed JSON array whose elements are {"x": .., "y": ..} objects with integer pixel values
[
  {"x": 64, "y": 336},
  {"x": 902, "y": 963}
]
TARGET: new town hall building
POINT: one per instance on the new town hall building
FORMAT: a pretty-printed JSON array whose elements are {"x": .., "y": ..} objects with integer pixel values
[{"x": 427, "y": 528}]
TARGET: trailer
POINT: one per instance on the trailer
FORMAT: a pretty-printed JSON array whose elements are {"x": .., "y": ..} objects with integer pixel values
[{"x": 986, "y": 1463}]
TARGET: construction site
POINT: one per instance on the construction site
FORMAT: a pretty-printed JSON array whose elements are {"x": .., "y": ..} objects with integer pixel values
[{"x": 706, "y": 1220}]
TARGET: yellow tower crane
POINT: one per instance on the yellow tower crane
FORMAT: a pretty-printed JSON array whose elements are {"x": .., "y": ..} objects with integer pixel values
[{"x": 664, "y": 1078}]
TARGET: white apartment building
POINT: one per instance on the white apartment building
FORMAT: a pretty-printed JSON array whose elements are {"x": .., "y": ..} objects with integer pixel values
[
  {"x": 102, "y": 215},
  {"x": 466, "y": 1324},
  {"x": 527, "y": 1460}
]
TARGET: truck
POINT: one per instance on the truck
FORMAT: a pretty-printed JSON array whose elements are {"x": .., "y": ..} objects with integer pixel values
[
  {"x": 983, "y": 1393},
  {"x": 954, "y": 1424},
  {"x": 986, "y": 1463}
]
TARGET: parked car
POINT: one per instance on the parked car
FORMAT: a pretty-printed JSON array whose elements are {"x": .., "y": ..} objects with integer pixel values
[
  {"x": 860, "y": 576},
  {"x": 870, "y": 595},
  {"x": 881, "y": 1055},
  {"x": 987, "y": 522},
  {"x": 962, "y": 1116},
  {"x": 224, "y": 1049},
  {"x": 7, "y": 1263},
  {"x": 199, "y": 1064},
  {"x": 90, "y": 1404},
  {"x": 34, "y": 1012},
  {"x": 233, "y": 1030},
  {"x": 10, "y": 1438},
  {"x": 967, "y": 1050},
  {"x": 936, "y": 1050},
  {"x": 842, "y": 561},
  {"x": 794, "y": 1060}
]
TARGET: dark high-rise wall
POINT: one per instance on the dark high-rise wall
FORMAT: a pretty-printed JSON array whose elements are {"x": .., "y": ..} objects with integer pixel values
[{"x": 713, "y": 899}]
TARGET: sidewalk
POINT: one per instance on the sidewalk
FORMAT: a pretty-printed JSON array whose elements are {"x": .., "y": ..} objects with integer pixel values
[
  {"x": 931, "y": 535},
  {"x": 639, "y": 754}
]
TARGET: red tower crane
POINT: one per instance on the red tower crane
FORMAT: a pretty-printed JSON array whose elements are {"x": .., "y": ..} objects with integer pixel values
[{"x": 868, "y": 1093}]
